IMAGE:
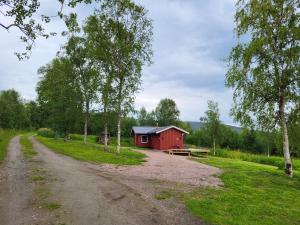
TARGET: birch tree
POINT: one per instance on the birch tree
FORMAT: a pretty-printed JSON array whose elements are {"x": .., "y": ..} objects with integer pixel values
[
  {"x": 128, "y": 50},
  {"x": 85, "y": 75},
  {"x": 98, "y": 41},
  {"x": 212, "y": 123},
  {"x": 264, "y": 69}
]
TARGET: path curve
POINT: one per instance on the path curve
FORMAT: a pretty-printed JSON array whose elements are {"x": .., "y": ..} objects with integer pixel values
[{"x": 95, "y": 197}]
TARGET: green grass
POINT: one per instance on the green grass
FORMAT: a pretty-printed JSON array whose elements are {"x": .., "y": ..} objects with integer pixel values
[
  {"x": 252, "y": 194},
  {"x": 52, "y": 206},
  {"x": 125, "y": 141},
  {"x": 80, "y": 137},
  {"x": 5, "y": 136},
  {"x": 163, "y": 195},
  {"x": 36, "y": 178},
  {"x": 257, "y": 158},
  {"x": 93, "y": 152},
  {"x": 27, "y": 147}
]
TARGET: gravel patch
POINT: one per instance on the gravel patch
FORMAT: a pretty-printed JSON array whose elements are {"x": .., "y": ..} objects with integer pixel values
[{"x": 175, "y": 168}]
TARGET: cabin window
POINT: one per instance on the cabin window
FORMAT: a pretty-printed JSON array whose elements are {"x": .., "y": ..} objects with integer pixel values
[{"x": 144, "y": 139}]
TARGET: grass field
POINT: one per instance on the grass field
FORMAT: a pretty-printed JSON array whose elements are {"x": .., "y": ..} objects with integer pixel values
[
  {"x": 93, "y": 152},
  {"x": 125, "y": 141},
  {"x": 5, "y": 136},
  {"x": 252, "y": 194},
  {"x": 257, "y": 158}
]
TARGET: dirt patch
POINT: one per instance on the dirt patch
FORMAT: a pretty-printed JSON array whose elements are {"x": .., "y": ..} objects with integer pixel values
[
  {"x": 172, "y": 168},
  {"x": 20, "y": 181}
]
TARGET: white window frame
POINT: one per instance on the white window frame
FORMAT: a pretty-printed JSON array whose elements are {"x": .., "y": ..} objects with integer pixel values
[{"x": 144, "y": 142}]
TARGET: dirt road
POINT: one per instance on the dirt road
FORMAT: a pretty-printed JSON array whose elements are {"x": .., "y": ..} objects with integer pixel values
[{"x": 85, "y": 194}]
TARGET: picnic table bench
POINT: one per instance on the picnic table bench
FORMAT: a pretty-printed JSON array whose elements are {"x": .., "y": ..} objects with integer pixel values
[
  {"x": 179, "y": 151},
  {"x": 189, "y": 152}
]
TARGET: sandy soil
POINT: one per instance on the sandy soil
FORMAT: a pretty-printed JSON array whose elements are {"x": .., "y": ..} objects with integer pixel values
[
  {"x": 173, "y": 168},
  {"x": 99, "y": 195}
]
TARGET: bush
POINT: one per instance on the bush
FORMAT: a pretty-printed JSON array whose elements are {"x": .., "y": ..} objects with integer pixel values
[{"x": 46, "y": 132}]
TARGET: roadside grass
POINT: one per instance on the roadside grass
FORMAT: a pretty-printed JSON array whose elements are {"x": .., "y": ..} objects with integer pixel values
[
  {"x": 5, "y": 136},
  {"x": 257, "y": 158},
  {"x": 27, "y": 147},
  {"x": 92, "y": 152},
  {"x": 252, "y": 194}
]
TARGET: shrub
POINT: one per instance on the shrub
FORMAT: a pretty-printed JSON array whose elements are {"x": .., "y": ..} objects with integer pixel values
[{"x": 46, "y": 132}]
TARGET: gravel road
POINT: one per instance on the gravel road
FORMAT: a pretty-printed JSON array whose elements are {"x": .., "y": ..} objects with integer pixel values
[{"x": 89, "y": 194}]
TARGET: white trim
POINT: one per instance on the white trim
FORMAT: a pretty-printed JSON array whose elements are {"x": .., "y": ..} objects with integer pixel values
[
  {"x": 177, "y": 128},
  {"x": 145, "y": 142}
]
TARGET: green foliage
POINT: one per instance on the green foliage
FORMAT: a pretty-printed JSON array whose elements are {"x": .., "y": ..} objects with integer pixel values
[
  {"x": 46, "y": 132},
  {"x": 125, "y": 141},
  {"x": 212, "y": 123},
  {"x": 145, "y": 118},
  {"x": 120, "y": 35},
  {"x": 264, "y": 71},
  {"x": 80, "y": 137},
  {"x": 5, "y": 137},
  {"x": 23, "y": 15},
  {"x": 59, "y": 96},
  {"x": 257, "y": 158},
  {"x": 12, "y": 113},
  {"x": 167, "y": 113},
  {"x": 127, "y": 124},
  {"x": 87, "y": 77},
  {"x": 248, "y": 140},
  {"x": 253, "y": 194},
  {"x": 33, "y": 112},
  {"x": 93, "y": 152}
]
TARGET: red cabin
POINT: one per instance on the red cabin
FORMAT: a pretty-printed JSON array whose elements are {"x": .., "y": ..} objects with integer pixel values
[{"x": 160, "y": 138}]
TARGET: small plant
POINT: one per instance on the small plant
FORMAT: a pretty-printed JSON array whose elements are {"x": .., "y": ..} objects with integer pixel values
[
  {"x": 46, "y": 132},
  {"x": 164, "y": 195},
  {"x": 37, "y": 178},
  {"x": 52, "y": 206}
]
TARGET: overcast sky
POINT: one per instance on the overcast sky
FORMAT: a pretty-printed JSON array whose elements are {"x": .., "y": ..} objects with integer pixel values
[{"x": 192, "y": 38}]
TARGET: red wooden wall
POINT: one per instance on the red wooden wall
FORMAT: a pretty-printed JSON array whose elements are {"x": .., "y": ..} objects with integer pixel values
[
  {"x": 171, "y": 138},
  {"x": 138, "y": 141}
]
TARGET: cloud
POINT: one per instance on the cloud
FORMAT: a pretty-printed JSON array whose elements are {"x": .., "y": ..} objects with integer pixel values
[{"x": 191, "y": 40}]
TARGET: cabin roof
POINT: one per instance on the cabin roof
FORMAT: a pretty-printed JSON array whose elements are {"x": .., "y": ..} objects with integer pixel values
[{"x": 155, "y": 130}]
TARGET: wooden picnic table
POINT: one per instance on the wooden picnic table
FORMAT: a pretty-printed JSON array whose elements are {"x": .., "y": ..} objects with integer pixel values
[
  {"x": 188, "y": 151},
  {"x": 179, "y": 151}
]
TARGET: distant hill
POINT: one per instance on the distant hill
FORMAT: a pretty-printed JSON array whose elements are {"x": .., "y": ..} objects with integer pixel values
[{"x": 196, "y": 125}]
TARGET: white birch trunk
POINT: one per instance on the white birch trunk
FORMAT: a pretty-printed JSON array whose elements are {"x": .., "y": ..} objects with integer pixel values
[
  {"x": 85, "y": 130},
  {"x": 105, "y": 137},
  {"x": 86, "y": 122},
  {"x": 214, "y": 140},
  {"x": 119, "y": 134},
  {"x": 286, "y": 151}
]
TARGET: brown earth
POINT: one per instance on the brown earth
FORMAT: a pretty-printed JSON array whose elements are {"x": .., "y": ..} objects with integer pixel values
[{"x": 89, "y": 194}]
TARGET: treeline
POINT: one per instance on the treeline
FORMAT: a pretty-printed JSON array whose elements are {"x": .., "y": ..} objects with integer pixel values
[
  {"x": 17, "y": 113},
  {"x": 62, "y": 111},
  {"x": 217, "y": 135}
]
